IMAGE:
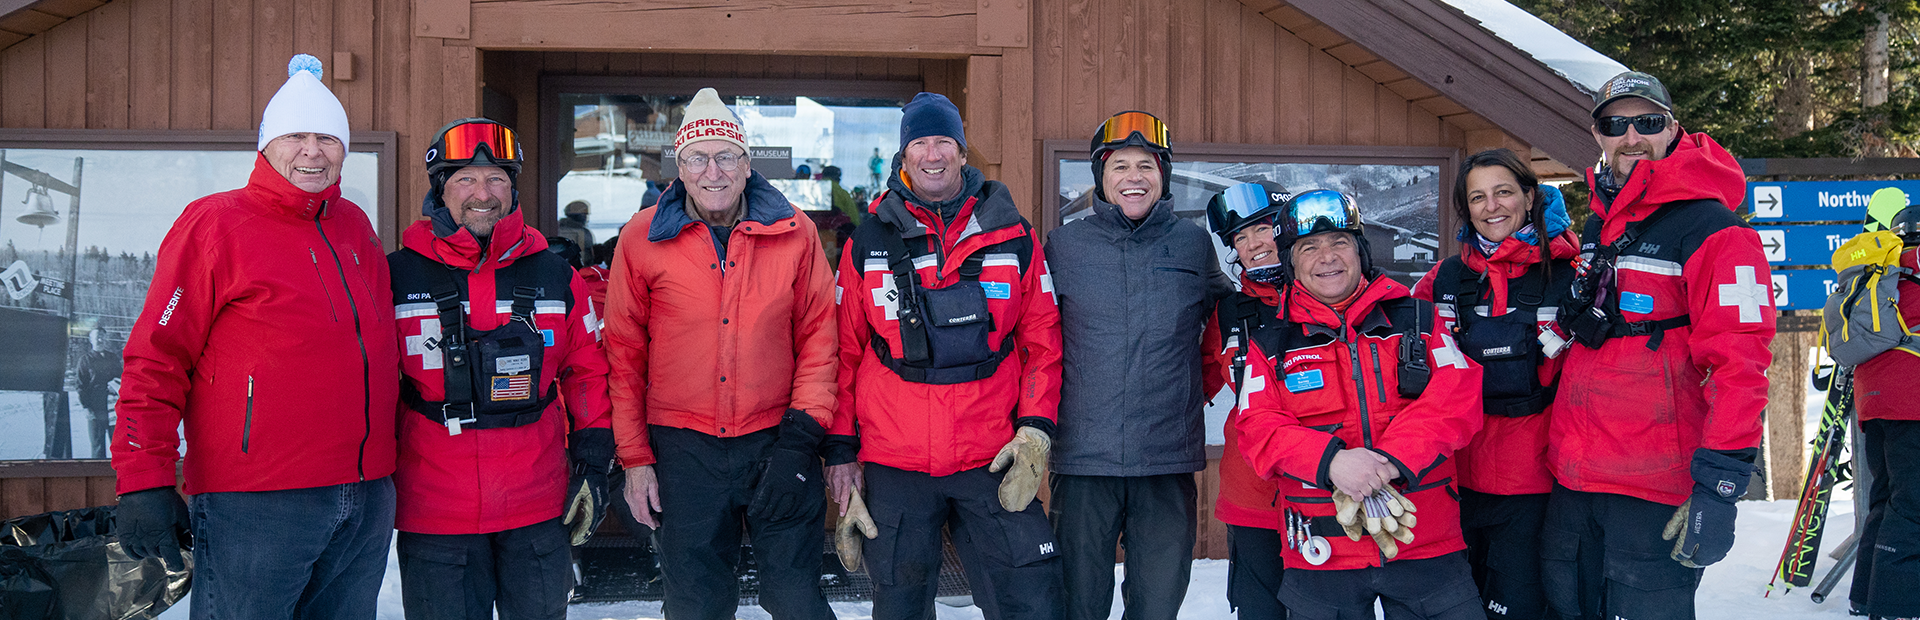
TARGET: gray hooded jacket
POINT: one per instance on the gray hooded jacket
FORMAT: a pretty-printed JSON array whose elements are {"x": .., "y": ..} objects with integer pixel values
[{"x": 1133, "y": 303}]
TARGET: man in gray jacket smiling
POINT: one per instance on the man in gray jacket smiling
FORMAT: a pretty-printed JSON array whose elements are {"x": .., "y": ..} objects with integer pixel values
[{"x": 1136, "y": 285}]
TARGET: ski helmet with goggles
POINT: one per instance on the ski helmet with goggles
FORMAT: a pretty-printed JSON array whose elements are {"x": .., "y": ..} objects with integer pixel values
[
  {"x": 1243, "y": 205},
  {"x": 1321, "y": 211},
  {"x": 1132, "y": 128},
  {"x": 1906, "y": 224},
  {"x": 474, "y": 142}
]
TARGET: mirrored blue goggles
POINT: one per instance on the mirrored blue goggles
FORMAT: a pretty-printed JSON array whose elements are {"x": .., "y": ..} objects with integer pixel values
[
  {"x": 1244, "y": 200},
  {"x": 1322, "y": 210}
]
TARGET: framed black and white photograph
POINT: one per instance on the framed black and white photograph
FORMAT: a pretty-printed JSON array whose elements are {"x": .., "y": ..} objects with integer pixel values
[{"x": 82, "y": 215}]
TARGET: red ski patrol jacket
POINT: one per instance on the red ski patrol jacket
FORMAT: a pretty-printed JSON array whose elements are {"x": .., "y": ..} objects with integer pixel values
[
  {"x": 1245, "y": 498},
  {"x": 1630, "y": 414},
  {"x": 1884, "y": 387},
  {"x": 1509, "y": 454},
  {"x": 491, "y": 479},
  {"x": 1336, "y": 385},
  {"x": 945, "y": 429},
  {"x": 268, "y": 330}
]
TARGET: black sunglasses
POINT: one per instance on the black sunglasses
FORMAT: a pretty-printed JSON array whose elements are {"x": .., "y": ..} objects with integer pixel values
[{"x": 1616, "y": 126}]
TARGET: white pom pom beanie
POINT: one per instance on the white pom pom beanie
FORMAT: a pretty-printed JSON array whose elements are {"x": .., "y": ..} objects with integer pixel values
[
  {"x": 708, "y": 119},
  {"x": 303, "y": 105}
]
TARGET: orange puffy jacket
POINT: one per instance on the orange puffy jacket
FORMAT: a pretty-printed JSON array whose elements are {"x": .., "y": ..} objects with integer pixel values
[{"x": 724, "y": 349}]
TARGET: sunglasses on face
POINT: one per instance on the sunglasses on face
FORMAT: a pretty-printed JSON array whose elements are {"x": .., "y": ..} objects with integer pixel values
[{"x": 1616, "y": 126}]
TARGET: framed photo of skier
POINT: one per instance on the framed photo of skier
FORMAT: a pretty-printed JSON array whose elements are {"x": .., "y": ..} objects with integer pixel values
[{"x": 82, "y": 215}]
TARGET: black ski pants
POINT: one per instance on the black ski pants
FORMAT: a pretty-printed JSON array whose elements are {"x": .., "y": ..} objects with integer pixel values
[
  {"x": 525, "y": 572},
  {"x": 1011, "y": 559},
  {"x": 1254, "y": 571},
  {"x": 1886, "y": 575},
  {"x": 1431, "y": 589},
  {"x": 1503, "y": 547},
  {"x": 706, "y": 483},
  {"x": 1601, "y": 557},
  {"x": 1153, "y": 516}
]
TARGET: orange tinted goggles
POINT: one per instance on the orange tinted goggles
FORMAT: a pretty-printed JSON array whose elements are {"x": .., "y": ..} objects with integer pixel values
[
  {"x": 1124, "y": 124},
  {"x": 461, "y": 140}
]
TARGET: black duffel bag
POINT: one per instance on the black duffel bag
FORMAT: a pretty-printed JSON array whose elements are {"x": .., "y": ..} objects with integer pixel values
[{"x": 70, "y": 565}]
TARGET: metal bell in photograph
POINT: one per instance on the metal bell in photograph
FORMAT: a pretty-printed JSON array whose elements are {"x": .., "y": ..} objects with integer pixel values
[{"x": 40, "y": 212}]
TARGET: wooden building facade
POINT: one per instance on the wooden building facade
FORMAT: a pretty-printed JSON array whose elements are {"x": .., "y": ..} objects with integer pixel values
[{"x": 1357, "y": 79}]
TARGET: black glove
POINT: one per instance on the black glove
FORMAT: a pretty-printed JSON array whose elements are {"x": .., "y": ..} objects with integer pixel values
[
  {"x": 783, "y": 487},
  {"x": 591, "y": 450},
  {"x": 1702, "y": 529},
  {"x": 152, "y": 523}
]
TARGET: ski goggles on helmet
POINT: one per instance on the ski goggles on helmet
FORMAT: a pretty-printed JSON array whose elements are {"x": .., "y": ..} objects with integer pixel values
[
  {"x": 1322, "y": 210},
  {"x": 1121, "y": 127},
  {"x": 1646, "y": 124},
  {"x": 460, "y": 141},
  {"x": 1238, "y": 207}
]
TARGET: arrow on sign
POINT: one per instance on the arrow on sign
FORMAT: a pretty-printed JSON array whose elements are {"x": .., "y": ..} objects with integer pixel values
[
  {"x": 1774, "y": 242},
  {"x": 1779, "y": 290},
  {"x": 1767, "y": 202}
]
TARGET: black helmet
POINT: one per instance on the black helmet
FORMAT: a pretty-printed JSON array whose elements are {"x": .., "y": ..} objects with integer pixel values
[
  {"x": 474, "y": 142},
  {"x": 1321, "y": 211},
  {"x": 1244, "y": 205},
  {"x": 1132, "y": 128},
  {"x": 1906, "y": 224}
]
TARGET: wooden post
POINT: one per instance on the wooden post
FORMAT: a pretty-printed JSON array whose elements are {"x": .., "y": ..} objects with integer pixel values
[{"x": 1783, "y": 462}]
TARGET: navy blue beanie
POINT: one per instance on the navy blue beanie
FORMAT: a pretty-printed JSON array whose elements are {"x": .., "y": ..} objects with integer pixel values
[{"x": 931, "y": 114}]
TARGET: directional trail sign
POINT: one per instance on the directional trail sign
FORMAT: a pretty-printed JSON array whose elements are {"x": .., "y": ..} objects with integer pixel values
[
  {"x": 1817, "y": 201},
  {"x": 1804, "y": 245},
  {"x": 1801, "y": 289}
]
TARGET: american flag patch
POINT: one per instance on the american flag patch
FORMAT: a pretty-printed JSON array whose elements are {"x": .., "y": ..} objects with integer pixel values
[{"x": 513, "y": 387}]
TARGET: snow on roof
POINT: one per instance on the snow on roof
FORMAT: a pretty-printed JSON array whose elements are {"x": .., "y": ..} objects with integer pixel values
[{"x": 1571, "y": 59}]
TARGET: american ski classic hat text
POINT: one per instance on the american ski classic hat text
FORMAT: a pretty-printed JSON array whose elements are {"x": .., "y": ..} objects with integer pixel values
[{"x": 708, "y": 119}]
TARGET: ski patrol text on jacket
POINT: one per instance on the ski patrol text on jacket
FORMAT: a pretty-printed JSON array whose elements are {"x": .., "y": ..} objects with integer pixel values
[
  {"x": 1509, "y": 454},
  {"x": 1630, "y": 414},
  {"x": 1245, "y": 499},
  {"x": 1335, "y": 384},
  {"x": 1884, "y": 387},
  {"x": 1134, "y": 301},
  {"x": 944, "y": 429},
  {"x": 268, "y": 330},
  {"x": 719, "y": 347},
  {"x": 485, "y": 480}
]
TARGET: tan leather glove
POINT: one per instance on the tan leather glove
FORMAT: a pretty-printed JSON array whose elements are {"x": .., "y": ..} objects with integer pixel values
[
  {"x": 1027, "y": 453},
  {"x": 1346, "y": 510},
  {"x": 845, "y": 542}
]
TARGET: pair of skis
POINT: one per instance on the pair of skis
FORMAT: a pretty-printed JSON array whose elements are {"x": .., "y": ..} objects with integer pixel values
[{"x": 1824, "y": 471}]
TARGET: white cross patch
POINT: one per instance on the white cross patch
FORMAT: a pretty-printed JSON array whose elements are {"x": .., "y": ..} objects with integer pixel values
[
  {"x": 1253, "y": 384},
  {"x": 1746, "y": 293},
  {"x": 592, "y": 322},
  {"x": 887, "y": 298},
  {"x": 1046, "y": 281},
  {"x": 1447, "y": 354},
  {"x": 430, "y": 358}
]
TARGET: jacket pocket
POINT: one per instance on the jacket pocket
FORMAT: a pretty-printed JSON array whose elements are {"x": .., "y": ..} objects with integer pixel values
[
  {"x": 324, "y": 287},
  {"x": 246, "y": 429}
]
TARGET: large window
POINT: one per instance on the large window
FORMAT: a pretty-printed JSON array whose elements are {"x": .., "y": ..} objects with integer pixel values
[
  {"x": 1399, "y": 191},
  {"x": 82, "y": 214},
  {"x": 613, "y": 151}
]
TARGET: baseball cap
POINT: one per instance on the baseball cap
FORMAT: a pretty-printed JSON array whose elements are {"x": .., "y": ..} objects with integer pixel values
[{"x": 1632, "y": 84}]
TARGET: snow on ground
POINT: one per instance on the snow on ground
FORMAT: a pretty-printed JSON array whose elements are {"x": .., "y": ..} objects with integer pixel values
[{"x": 1731, "y": 590}]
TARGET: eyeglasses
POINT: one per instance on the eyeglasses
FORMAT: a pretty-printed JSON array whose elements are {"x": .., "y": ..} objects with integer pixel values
[
  {"x": 1125, "y": 124},
  {"x": 728, "y": 162},
  {"x": 1616, "y": 126},
  {"x": 1322, "y": 210},
  {"x": 459, "y": 142}
]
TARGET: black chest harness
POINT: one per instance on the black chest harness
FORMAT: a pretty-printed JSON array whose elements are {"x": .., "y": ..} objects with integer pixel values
[
  {"x": 1507, "y": 347},
  {"x": 1244, "y": 318},
  {"x": 943, "y": 331},
  {"x": 1593, "y": 314},
  {"x": 492, "y": 377}
]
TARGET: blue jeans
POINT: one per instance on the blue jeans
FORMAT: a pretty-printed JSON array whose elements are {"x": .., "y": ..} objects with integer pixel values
[{"x": 299, "y": 553}]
